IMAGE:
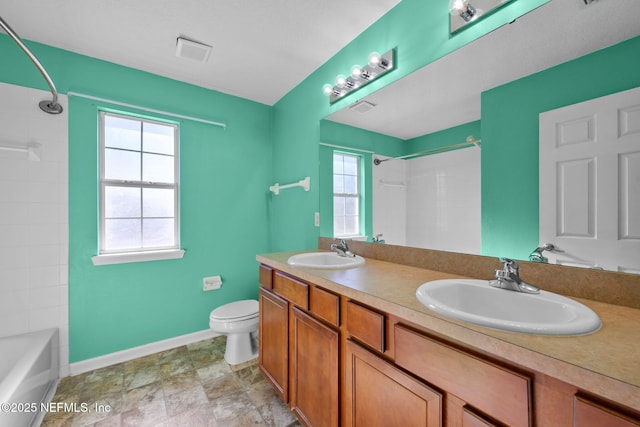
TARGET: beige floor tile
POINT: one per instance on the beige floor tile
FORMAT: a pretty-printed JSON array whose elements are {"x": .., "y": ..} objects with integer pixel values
[
  {"x": 185, "y": 400},
  {"x": 142, "y": 396},
  {"x": 190, "y": 386}
]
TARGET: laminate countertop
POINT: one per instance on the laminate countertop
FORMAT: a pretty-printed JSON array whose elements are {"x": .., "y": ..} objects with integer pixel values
[{"x": 606, "y": 363}]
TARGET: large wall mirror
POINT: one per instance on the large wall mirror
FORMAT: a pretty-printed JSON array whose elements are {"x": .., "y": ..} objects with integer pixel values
[{"x": 462, "y": 195}]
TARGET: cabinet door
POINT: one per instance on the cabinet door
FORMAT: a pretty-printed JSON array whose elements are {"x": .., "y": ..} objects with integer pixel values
[
  {"x": 591, "y": 414},
  {"x": 315, "y": 376},
  {"x": 472, "y": 419},
  {"x": 379, "y": 394},
  {"x": 273, "y": 357}
]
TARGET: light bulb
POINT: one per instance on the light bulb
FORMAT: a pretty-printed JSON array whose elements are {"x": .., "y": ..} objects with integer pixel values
[
  {"x": 327, "y": 89},
  {"x": 462, "y": 8},
  {"x": 457, "y": 6},
  {"x": 341, "y": 81},
  {"x": 374, "y": 59},
  {"x": 356, "y": 71}
]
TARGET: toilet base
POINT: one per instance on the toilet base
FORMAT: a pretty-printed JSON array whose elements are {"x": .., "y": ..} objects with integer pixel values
[{"x": 240, "y": 348}]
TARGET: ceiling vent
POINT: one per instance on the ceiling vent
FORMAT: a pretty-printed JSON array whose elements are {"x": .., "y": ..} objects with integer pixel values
[
  {"x": 362, "y": 106},
  {"x": 195, "y": 51}
]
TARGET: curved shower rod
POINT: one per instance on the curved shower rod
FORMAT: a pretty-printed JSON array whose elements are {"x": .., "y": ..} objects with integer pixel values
[
  {"x": 470, "y": 141},
  {"x": 51, "y": 107}
]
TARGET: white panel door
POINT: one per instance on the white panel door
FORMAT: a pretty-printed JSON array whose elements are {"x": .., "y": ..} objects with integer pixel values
[{"x": 590, "y": 182}]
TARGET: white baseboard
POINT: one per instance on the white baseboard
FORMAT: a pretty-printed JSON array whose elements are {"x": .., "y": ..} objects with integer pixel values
[{"x": 135, "y": 352}]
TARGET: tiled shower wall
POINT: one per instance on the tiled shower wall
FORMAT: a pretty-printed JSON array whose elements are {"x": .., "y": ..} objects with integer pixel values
[
  {"x": 430, "y": 202},
  {"x": 33, "y": 217}
]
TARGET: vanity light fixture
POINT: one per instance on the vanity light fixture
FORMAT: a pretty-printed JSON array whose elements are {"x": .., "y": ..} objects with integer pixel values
[
  {"x": 462, "y": 8},
  {"x": 377, "y": 66}
]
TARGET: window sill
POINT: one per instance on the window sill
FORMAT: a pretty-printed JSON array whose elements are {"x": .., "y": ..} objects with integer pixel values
[{"x": 123, "y": 258}]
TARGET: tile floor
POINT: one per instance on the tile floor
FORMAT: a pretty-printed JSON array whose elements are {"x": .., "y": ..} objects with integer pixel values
[{"x": 189, "y": 386}]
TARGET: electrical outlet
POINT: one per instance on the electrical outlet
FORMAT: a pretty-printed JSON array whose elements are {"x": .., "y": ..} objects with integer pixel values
[
  {"x": 316, "y": 219},
  {"x": 211, "y": 283}
]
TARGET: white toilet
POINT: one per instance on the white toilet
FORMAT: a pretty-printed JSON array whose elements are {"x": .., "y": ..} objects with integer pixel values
[{"x": 239, "y": 322}]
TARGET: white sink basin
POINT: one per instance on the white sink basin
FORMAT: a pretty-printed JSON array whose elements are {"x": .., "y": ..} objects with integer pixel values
[
  {"x": 476, "y": 302},
  {"x": 328, "y": 260}
]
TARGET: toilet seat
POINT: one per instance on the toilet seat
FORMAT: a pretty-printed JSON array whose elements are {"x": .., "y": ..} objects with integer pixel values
[{"x": 236, "y": 311}]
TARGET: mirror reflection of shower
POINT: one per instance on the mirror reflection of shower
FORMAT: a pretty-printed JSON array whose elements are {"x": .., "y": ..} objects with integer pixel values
[
  {"x": 430, "y": 201},
  {"x": 51, "y": 107}
]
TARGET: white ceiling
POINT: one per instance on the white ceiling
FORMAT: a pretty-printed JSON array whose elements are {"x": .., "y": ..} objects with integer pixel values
[
  {"x": 261, "y": 49},
  {"x": 446, "y": 93}
]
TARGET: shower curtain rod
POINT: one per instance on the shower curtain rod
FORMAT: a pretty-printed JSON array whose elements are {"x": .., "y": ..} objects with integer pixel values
[
  {"x": 467, "y": 143},
  {"x": 151, "y": 110},
  {"x": 51, "y": 107}
]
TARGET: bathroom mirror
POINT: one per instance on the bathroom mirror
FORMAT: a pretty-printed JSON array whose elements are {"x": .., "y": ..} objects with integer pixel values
[{"x": 447, "y": 93}]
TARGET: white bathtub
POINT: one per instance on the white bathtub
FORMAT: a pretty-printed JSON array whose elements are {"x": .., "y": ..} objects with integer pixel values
[{"x": 29, "y": 370}]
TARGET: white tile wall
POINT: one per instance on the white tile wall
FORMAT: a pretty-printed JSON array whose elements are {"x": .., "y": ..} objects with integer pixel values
[
  {"x": 438, "y": 207},
  {"x": 34, "y": 225},
  {"x": 390, "y": 201}
]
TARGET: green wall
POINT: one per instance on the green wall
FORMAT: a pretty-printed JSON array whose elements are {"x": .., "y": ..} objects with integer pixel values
[
  {"x": 510, "y": 139},
  {"x": 443, "y": 138},
  {"x": 419, "y": 30},
  {"x": 356, "y": 141},
  {"x": 224, "y": 216}
]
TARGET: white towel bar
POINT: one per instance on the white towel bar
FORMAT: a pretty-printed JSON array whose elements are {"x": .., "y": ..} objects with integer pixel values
[
  {"x": 304, "y": 183},
  {"x": 32, "y": 149}
]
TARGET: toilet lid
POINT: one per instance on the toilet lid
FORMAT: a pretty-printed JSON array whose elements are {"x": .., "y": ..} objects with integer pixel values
[{"x": 236, "y": 310}]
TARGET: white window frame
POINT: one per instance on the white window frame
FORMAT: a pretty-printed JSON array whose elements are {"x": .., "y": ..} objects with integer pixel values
[
  {"x": 358, "y": 195},
  {"x": 105, "y": 256}
]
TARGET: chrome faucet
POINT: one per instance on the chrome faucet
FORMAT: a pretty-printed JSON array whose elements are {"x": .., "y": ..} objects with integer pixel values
[
  {"x": 536, "y": 255},
  {"x": 509, "y": 278},
  {"x": 342, "y": 249},
  {"x": 378, "y": 239}
]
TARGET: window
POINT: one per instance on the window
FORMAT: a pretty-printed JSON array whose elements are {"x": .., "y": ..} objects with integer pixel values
[
  {"x": 138, "y": 185},
  {"x": 346, "y": 195}
]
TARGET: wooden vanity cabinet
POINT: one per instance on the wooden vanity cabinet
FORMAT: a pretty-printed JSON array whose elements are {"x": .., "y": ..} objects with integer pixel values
[
  {"x": 496, "y": 390},
  {"x": 299, "y": 346},
  {"x": 273, "y": 355},
  {"x": 379, "y": 394},
  {"x": 315, "y": 371},
  {"x": 265, "y": 276},
  {"x": 471, "y": 418},
  {"x": 366, "y": 326},
  {"x": 588, "y": 413},
  {"x": 339, "y": 362}
]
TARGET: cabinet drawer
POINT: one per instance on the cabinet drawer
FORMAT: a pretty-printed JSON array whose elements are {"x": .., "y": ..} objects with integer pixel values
[
  {"x": 591, "y": 414},
  {"x": 366, "y": 325},
  {"x": 495, "y": 390},
  {"x": 294, "y": 290},
  {"x": 266, "y": 276},
  {"x": 325, "y": 305}
]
